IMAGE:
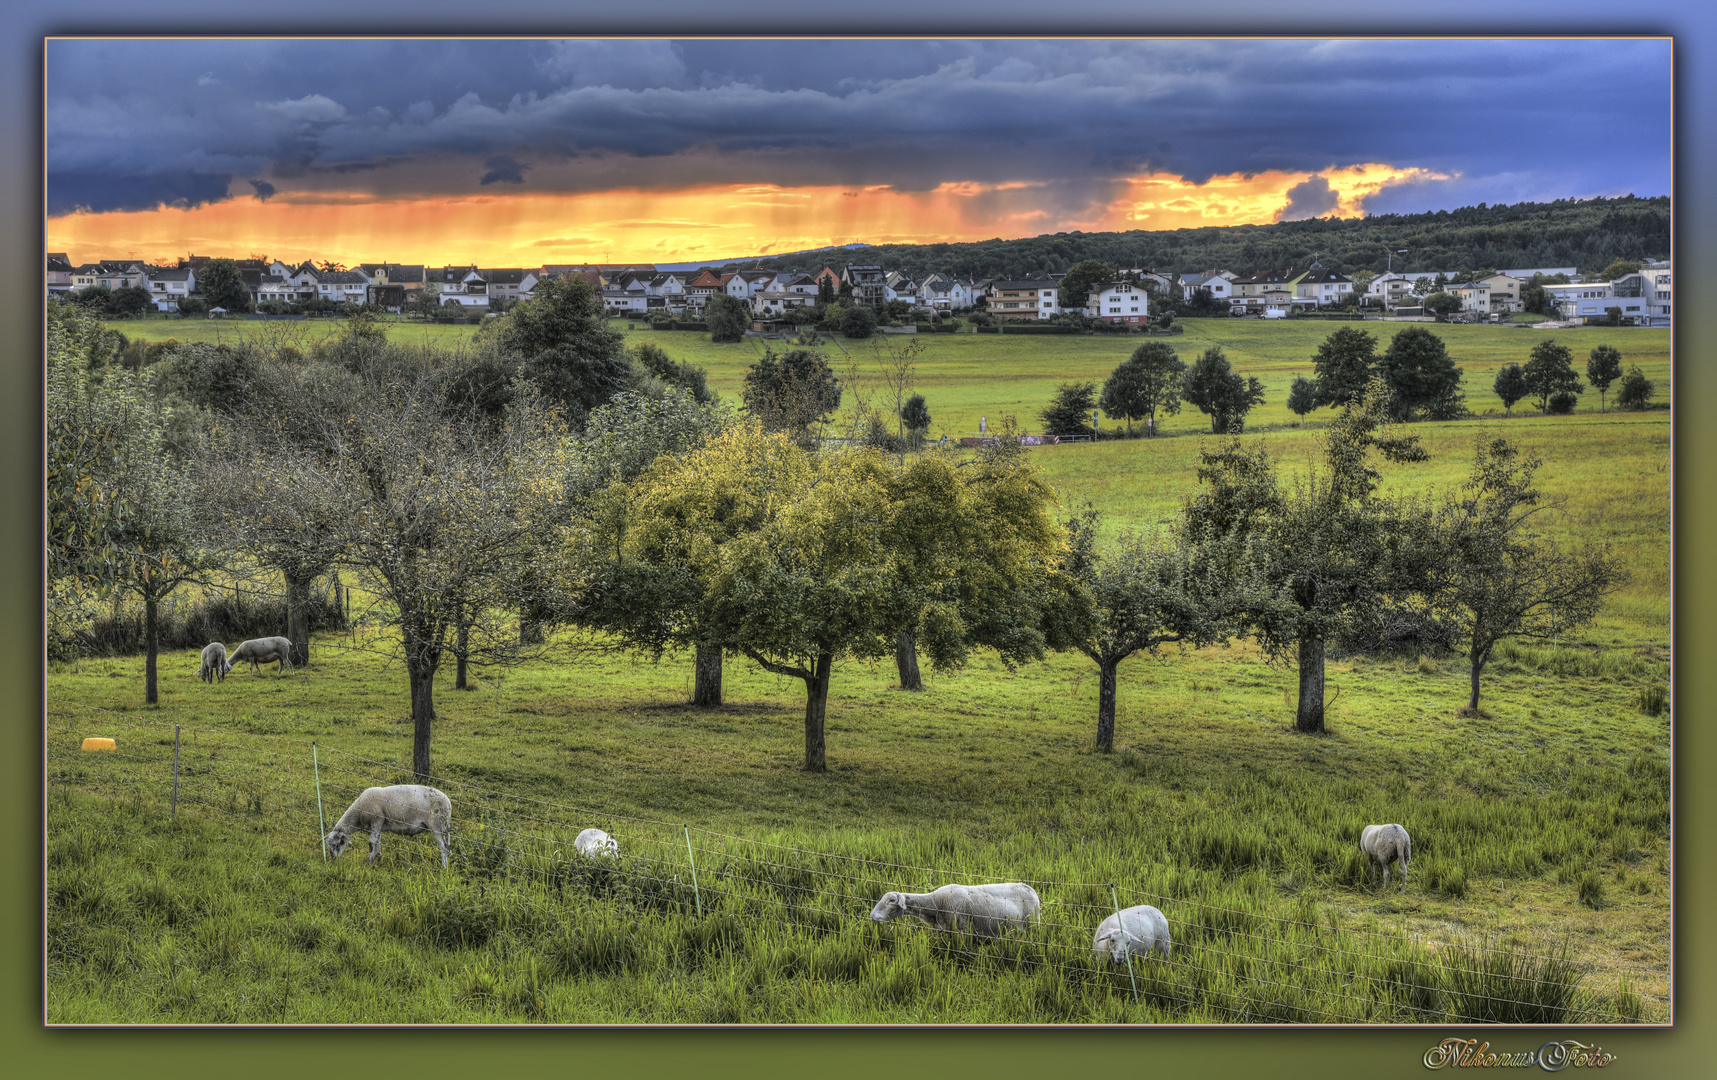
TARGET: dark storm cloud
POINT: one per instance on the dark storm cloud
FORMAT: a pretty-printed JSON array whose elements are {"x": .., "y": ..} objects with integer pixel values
[
  {"x": 264, "y": 189},
  {"x": 503, "y": 170},
  {"x": 1075, "y": 114},
  {"x": 1309, "y": 199}
]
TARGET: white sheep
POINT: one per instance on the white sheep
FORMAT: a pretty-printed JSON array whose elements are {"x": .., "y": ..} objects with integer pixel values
[
  {"x": 215, "y": 663},
  {"x": 262, "y": 650},
  {"x": 595, "y": 842},
  {"x": 984, "y": 909},
  {"x": 403, "y": 808},
  {"x": 1383, "y": 844},
  {"x": 1139, "y": 931}
]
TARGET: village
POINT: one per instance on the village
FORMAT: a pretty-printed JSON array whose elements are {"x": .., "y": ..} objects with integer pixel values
[{"x": 1641, "y": 297}]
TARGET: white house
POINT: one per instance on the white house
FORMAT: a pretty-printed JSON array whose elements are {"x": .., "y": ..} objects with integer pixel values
[
  {"x": 1032, "y": 298},
  {"x": 342, "y": 287},
  {"x": 1217, "y": 284},
  {"x": 462, "y": 285},
  {"x": 1318, "y": 287},
  {"x": 1119, "y": 302},
  {"x": 168, "y": 286},
  {"x": 783, "y": 292}
]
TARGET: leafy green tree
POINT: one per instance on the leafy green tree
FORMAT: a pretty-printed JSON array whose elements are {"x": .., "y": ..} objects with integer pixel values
[
  {"x": 1422, "y": 379},
  {"x": 1302, "y": 396},
  {"x": 223, "y": 286},
  {"x": 1146, "y": 383},
  {"x": 1510, "y": 386},
  {"x": 1329, "y": 552},
  {"x": 1069, "y": 412},
  {"x": 727, "y": 318},
  {"x": 1361, "y": 284},
  {"x": 858, "y": 321},
  {"x": 1619, "y": 268},
  {"x": 1344, "y": 363},
  {"x": 1603, "y": 367},
  {"x": 791, "y": 391},
  {"x": 1224, "y": 396},
  {"x": 915, "y": 414},
  {"x": 562, "y": 342},
  {"x": 129, "y": 301},
  {"x": 1442, "y": 304},
  {"x": 1131, "y": 597},
  {"x": 1502, "y": 578},
  {"x": 1635, "y": 391},
  {"x": 655, "y": 360},
  {"x": 1549, "y": 372},
  {"x": 1534, "y": 297},
  {"x": 1076, "y": 283},
  {"x": 825, "y": 292}
]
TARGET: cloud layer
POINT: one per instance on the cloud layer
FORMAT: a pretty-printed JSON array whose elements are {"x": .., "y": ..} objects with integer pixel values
[{"x": 133, "y": 125}]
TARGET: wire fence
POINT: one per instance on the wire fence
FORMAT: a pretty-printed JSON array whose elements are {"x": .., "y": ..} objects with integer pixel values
[{"x": 1227, "y": 962}]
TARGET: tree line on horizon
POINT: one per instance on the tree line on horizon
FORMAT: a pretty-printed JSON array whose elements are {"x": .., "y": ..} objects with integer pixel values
[{"x": 1585, "y": 233}]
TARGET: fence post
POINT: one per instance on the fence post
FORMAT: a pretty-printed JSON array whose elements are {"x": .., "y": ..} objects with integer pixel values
[
  {"x": 695, "y": 892},
  {"x": 1126, "y": 948},
  {"x": 175, "y": 770},
  {"x": 321, "y": 822}
]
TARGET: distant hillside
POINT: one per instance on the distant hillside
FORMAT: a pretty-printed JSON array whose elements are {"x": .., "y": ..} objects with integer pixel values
[
  {"x": 822, "y": 252},
  {"x": 1588, "y": 233}
]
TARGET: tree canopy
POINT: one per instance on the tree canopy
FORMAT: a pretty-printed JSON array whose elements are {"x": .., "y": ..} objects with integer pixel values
[
  {"x": 1148, "y": 382},
  {"x": 1549, "y": 372},
  {"x": 563, "y": 343},
  {"x": 1217, "y": 391},
  {"x": 1423, "y": 380}
]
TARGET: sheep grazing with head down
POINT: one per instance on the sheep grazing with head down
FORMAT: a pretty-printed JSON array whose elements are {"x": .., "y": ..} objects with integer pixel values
[
  {"x": 408, "y": 809},
  {"x": 984, "y": 909},
  {"x": 215, "y": 664},
  {"x": 263, "y": 650},
  {"x": 595, "y": 842},
  {"x": 1136, "y": 931},
  {"x": 1384, "y": 844}
]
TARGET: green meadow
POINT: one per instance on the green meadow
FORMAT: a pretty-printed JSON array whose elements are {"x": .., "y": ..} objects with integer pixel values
[{"x": 1540, "y": 881}]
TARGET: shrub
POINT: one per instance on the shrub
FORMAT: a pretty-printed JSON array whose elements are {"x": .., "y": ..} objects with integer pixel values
[
  {"x": 1636, "y": 390},
  {"x": 1561, "y": 404}
]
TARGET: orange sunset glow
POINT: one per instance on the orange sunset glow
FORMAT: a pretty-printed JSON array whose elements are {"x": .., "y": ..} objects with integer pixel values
[{"x": 528, "y": 229}]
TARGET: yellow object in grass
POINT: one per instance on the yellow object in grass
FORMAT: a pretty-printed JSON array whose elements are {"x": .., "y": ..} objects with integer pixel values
[{"x": 98, "y": 744}]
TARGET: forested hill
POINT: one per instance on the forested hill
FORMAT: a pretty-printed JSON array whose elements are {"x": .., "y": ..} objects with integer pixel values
[{"x": 1588, "y": 234}]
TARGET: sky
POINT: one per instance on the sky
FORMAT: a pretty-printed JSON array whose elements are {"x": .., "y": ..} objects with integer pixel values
[{"x": 521, "y": 152}]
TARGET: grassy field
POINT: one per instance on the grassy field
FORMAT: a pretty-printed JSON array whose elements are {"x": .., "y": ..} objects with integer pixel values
[
  {"x": 965, "y": 376},
  {"x": 1540, "y": 886}
]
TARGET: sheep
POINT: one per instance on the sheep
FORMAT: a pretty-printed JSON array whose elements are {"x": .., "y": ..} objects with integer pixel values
[
  {"x": 215, "y": 663},
  {"x": 1138, "y": 931},
  {"x": 595, "y": 842},
  {"x": 262, "y": 650},
  {"x": 1383, "y": 843},
  {"x": 403, "y": 808},
  {"x": 985, "y": 909}
]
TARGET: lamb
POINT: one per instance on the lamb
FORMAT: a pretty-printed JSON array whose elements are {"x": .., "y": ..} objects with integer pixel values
[
  {"x": 262, "y": 650},
  {"x": 1383, "y": 843},
  {"x": 984, "y": 909},
  {"x": 1138, "y": 931},
  {"x": 595, "y": 842},
  {"x": 215, "y": 663},
  {"x": 403, "y": 808}
]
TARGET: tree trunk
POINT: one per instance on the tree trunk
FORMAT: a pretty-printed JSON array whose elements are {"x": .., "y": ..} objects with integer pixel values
[
  {"x": 706, "y": 676},
  {"x": 422, "y": 717},
  {"x": 297, "y": 620},
  {"x": 1106, "y": 706},
  {"x": 1311, "y": 711},
  {"x": 463, "y": 639},
  {"x": 530, "y": 630},
  {"x": 906, "y": 659},
  {"x": 816, "y": 710},
  {"x": 340, "y": 601},
  {"x": 151, "y": 644},
  {"x": 1477, "y": 657}
]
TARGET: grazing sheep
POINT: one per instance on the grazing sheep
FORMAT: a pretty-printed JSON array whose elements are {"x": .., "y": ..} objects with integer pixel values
[
  {"x": 215, "y": 663},
  {"x": 1139, "y": 931},
  {"x": 262, "y": 650},
  {"x": 1383, "y": 843},
  {"x": 985, "y": 909},
  {"x": 402, "y": 808},
  {"x": 595, "y": 842}
]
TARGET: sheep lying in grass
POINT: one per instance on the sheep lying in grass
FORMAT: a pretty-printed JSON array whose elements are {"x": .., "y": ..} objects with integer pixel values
[
  {"x": 1383, "y": 844},
  {"x": 984, "y": 909},
  {"x": 403, "y": 808},
  {"x": 262, "y": 650},
  {"x": 1138, "y": 930},
  {"x": 215, "y": 663},
  {"x": 593, "y": 842}
]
